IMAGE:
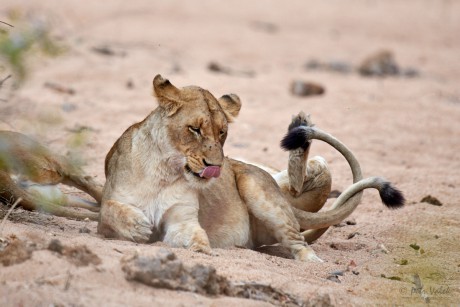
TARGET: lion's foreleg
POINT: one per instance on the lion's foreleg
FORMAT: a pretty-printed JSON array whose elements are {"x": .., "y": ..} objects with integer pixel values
[{"x": 182, "y": 228}]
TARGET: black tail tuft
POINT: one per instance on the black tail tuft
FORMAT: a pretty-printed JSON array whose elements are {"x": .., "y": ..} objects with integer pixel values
[
  {"x": 391, "y": 197},
  {"x": 295, "y": 138}
]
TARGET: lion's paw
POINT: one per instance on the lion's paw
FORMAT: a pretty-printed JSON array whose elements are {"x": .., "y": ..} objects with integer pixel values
[
  {"x": 300, "y": 120},
  {"x": 308, "y": 255},
  {"x": 142, "y": 230},
  {"x": 202, "y": 248},
  {"x": 130, "y": 223}
]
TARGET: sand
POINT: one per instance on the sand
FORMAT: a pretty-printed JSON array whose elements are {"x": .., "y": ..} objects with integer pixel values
[{"x": 403, "y": 128}]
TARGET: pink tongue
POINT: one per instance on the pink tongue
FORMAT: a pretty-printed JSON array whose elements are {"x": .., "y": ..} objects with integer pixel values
[{"x": 210, "y": 171}]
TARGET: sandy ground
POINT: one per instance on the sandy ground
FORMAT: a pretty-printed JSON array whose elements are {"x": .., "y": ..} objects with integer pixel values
[{"x": 405, "y": 129}]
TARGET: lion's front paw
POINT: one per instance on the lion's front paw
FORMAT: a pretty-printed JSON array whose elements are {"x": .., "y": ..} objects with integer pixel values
[
  {"x": 202, "y": 248},
  {"x": 200, "y": 243},
  {"x": 126, "y": 222},
  {"x": 141, "y": 231},
  {"x": 307, "y": 254}
]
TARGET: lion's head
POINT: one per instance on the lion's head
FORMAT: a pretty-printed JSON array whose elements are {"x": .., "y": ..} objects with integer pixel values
[{"x": 197, "y": 125}]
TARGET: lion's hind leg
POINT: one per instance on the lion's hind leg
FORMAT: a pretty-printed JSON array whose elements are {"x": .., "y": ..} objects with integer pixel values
[
  {"x": 315, "y": 189},
  {"x": 273, "y": 219},
  {"x": 34, "y": 196},
  {"x": 306, "y": 182}
]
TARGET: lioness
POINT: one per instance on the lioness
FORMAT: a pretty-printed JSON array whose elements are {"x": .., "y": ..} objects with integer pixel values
[
  {"x": 29, "y": 171},
  {"x": 168, "y": 179}
]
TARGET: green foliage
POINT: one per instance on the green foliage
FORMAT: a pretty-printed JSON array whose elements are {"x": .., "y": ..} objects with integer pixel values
[{"x": 28, "y": 36}]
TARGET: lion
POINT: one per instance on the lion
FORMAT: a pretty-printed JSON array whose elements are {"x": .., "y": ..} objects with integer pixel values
[
  {"x": 30, "y": 173},
  {"x": 167, "y": 179}
]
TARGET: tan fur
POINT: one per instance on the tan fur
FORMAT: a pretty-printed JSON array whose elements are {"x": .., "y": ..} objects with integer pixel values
[
  {"x": 30, "y": 171},
  {"x": 151, "y": 192}
]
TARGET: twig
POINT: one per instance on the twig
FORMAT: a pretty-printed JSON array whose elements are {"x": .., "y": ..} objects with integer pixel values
[
  {"x": 8, "y": 214},
  {"x": 6, "y": 24},
  {"x": 3, "y": 81},
  {"x": 67, "y": 282}
]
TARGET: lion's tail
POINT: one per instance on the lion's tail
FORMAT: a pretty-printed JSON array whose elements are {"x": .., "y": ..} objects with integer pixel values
[
  {"x": 347, "y": 202},
  {"x": 391, "y": 198}
]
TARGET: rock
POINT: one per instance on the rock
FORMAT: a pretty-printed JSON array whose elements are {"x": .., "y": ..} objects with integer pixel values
[
  {"x": 431, "y": 200},
  {"x": 381, "y": 63},
  {"x": 56, "y": 246},
  {"x": 340, "y": 67},
  {"x": 15, "y": 251},
  {"x": 313, "y": 64},
  {"x": 129, "y": 84},
  {"x": 265, "y": 26},
  {"x": 218, "y": 68},
  {"x": 108, "y": 51},
  {"x": 59, "y": 88},
  {"x": 333, "y": 66},
  {"x": 265, "y": 293},
  {"x": 334, "y": 278},
  {"x": 410, "y": 72},
  {"x": 347, "y": 246},
  {"x": 337, "y": 273},
  {"x": 350, "y": 222},
  {"x": 84, "y": 229},
  {"x": 68, "y": 107},
  {"x": 352, "y": 235},
  {"x": 165, "y": 270},
  {"x": 383, "y": 249},
  {"x": 302, "y": 89},
  {"x": 79, "y": 255}
]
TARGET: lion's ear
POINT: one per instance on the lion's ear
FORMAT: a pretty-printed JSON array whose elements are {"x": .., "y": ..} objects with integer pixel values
[
  {"x": 167, "y": 94},
  {"x": 231, "y": 105}
]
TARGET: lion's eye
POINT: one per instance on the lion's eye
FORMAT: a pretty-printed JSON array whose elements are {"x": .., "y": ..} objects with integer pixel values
[
  {"x": 221, "y": 132},
  {"x": 194, "y": 130}
]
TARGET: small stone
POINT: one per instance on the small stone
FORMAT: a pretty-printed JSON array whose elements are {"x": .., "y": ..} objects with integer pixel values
[
  {"x": 55, "y": 246},
  {"x": 410, "y": 73},
  {"x": 334, "y": 278},
  {"x": 68, "y": 107},
  {"x": 303, "y": 89},
  {"x": 431, "y": 200},
  {"x": 313, "y": 64},
  {"x": 336, "y": 273},
  {"x": 84, "y": 229},
  {"x": 108, "y": 51},
  {"x": 352, "y": 235},
  {"x": 384, "y": 249},
  {"x": 381, "y": 63},
  {"x": 340, "y": 67},
  {"x": 350, "y": 222}
]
